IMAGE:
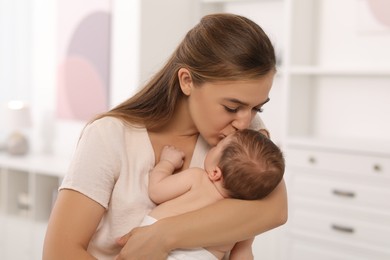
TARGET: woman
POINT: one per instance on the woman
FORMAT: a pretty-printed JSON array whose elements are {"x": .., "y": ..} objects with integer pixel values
[{"x": 216, "y": 81}]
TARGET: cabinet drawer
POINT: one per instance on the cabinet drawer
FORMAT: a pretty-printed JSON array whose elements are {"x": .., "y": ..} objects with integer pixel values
[
  {"x": 337, "y": 161},
  {"x": 340, "y": 190},
  {"x": 347, "y": 226},
  {"x": 309, "y": 249}
]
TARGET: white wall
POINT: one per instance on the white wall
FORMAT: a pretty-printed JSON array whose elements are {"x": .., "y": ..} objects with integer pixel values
[
  {"x": 15, "y": 49},
  {"x": 125, "y": 57},
  {"x": 347, "y": 40},
  {"x": 144, "y": 34},
  {"x": 15, "y": 55}
]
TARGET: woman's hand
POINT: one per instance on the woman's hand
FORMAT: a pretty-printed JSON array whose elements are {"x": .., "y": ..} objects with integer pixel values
[{"x": 143, "y": 243}]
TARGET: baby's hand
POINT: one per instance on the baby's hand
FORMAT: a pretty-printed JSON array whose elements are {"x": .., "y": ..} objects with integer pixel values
[{"x": 172, "y": 155}]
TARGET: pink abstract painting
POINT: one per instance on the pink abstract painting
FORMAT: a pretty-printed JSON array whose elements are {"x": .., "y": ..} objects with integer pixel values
[
  {"x": 83, "y": 58},
  {"x": 374, "y": 16},
  {"x": 381, "y": 11}
]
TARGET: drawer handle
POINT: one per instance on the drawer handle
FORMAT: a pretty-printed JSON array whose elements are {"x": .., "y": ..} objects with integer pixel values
[
  {"x": 343, "y": 229},
  {"x": 377, "y": 168},
  {"x": 312, "y": 160},
  {"x": 347, "y": 194}
]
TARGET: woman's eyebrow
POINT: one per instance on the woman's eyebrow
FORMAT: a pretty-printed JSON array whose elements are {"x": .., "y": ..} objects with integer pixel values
[{"x": 234, "y": 100}]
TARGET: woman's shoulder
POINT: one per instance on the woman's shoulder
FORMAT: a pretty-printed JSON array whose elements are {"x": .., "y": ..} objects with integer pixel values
[
  {"x": 112, "y": 128},
  {"x": 107, "y": 121},
  {"x": 114, "y": 123}
]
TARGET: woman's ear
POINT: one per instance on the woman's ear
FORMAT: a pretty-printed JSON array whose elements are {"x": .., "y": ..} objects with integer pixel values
[{"x": 185, "y": 81}]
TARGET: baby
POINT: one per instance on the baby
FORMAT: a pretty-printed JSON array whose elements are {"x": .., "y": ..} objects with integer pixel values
[{"x": 245, "y": 165}]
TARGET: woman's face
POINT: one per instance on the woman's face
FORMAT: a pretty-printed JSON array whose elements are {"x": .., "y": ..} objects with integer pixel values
[{"x": 220, "y": 108}]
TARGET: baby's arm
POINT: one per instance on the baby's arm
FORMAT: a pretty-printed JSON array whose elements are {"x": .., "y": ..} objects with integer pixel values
[
  {"x": 242, "y": 250},
  {"x": 170, "y": 160},
  {"x": 163, "y": 184}
]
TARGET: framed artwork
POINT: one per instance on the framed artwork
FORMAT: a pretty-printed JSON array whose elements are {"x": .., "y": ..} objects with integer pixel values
[
  {"x": 374, "y": 16},
  {"x": 83, "y": 72}
]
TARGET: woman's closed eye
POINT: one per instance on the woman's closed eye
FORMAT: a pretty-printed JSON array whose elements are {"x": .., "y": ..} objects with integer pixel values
[
  {"x": 236, "y": 109},
  {"x": 231, "y": 109}
]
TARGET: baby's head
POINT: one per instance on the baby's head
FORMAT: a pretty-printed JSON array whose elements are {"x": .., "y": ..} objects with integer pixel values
[{"x": 251, "y": 164}]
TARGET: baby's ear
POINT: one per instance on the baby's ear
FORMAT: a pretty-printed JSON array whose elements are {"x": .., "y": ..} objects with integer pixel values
[{"x": 215, "y": 174}]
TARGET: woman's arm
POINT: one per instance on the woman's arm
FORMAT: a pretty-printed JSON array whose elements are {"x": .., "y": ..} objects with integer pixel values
[
  {"x": 223, "y": 222},
  {"x": 228, "y": 221},
  {"x": 73, "y": 221}
]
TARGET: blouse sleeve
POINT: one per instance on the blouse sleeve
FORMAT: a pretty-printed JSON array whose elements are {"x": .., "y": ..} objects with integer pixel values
[{"x": 97, "y": 160}]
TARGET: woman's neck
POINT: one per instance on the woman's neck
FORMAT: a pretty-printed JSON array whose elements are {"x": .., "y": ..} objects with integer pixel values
[
  {"x": 181, "y": 124},
  {"x": 179, "y": 132}
]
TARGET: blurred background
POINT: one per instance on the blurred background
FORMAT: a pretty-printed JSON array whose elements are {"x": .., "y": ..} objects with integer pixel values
[{"x": 63, "y": 61}]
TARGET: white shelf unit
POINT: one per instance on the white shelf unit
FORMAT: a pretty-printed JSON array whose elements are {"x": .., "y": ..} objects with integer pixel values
[
  {"x": 28, "y": 187},
  {"x": 29, "y": 184},
  {"x": 336, "y": 139},
  {"x": 328, "y": 93}
]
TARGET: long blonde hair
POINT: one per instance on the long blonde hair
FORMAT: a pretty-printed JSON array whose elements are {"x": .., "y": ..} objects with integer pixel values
[{"x": 219, "y": 47}]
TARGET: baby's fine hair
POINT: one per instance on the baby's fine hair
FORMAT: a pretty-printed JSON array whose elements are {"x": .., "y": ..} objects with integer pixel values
[{"x": 252, "y": 165}]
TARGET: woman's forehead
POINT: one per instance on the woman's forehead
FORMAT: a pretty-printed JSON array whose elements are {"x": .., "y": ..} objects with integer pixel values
[
  {"x": 234, "y": 89},
  {"x": 244, "y": 97}
]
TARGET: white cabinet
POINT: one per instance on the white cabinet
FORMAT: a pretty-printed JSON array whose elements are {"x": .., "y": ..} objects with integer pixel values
[
  {"x": 339, "y": 207},
  {"x": 144, "y": 33},
  {"x": 28, "y": 186},
  {"x": 336, "y": 84}
]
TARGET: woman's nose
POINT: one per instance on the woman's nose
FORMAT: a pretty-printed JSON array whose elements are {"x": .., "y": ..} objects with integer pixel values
[{"x": 242, "y": 121}]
